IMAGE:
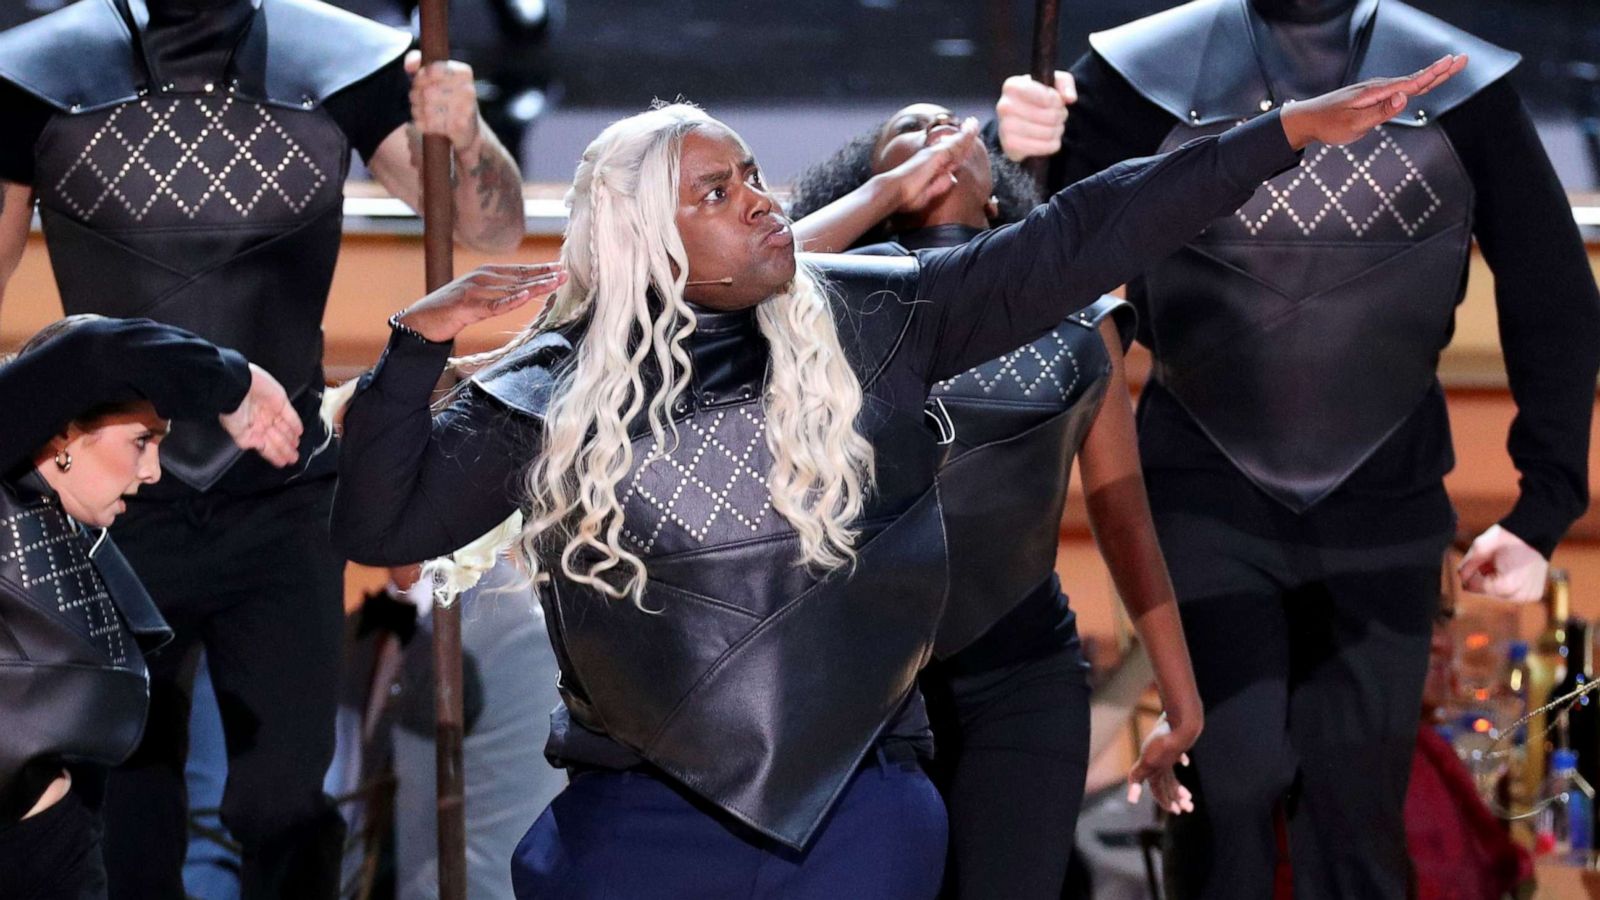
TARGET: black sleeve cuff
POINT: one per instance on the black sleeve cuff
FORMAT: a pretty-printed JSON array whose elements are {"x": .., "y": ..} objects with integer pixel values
[
  {"x": 1536, "y": 525},
  {"x": 1256, "y": 151},
  {"x": 409, "y": 368},
  {"x": 234, "y": 382}
]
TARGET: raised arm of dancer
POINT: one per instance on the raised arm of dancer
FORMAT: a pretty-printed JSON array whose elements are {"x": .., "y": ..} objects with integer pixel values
[
  {"x": 1119, "y": 514},
  {"x": 913, "y": 184},
  {"x": 413, "y": 486},
  {"x": 488, "y": 185},
  {"x": 16, "y": 212},
  {"x": 98, "y": 361},
  {"x": 1006, "y": 287}
]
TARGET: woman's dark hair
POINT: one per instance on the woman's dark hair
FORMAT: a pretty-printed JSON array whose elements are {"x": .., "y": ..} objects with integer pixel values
[
  {"x": 851, "y": 166},
  {"x": 56, "y": 329}
]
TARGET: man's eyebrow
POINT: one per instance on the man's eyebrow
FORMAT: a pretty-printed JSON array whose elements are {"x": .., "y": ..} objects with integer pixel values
[{"x": 712, "y": 178}]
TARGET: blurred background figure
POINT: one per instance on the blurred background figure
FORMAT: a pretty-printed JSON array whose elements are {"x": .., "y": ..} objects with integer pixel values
[{"x": 1459, "y": 849}]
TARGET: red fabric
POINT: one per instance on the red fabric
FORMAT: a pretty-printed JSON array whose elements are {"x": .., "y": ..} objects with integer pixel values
[{"x": 1459, "y": 850}]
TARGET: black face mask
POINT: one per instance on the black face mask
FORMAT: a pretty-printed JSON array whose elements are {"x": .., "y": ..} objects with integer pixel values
[
  {"x": 188, "y": 43},
  {"x": 1301, "y": 11}
]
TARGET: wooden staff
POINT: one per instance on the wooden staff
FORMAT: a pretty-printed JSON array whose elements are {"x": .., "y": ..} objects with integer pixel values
[
  {"x": 1046, "y": 25},
  {"x": 438, "y": 225}
]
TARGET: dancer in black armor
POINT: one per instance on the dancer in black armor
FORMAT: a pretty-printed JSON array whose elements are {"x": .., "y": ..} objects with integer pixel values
[
  {"x": 1009, "y": 701},
  {"x": 188, "y": 158},
  {"x": 86, "y": 404},
  {"x": 1294, "y": 434},
  {"x": 729, "y": 490}
]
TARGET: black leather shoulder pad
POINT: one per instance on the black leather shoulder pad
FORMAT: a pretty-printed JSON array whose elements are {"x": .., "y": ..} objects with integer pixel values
[
  {"x": 525, "y": 379},
  {"x": 1120, "y": 311},
  {"x": 873, "y": 298},
  {"x": 1192, "y": 60},
  {"x": 315, "y": 51},
  {"x": 1405, "y": 39},
  {"x": 80, "y": 57}
]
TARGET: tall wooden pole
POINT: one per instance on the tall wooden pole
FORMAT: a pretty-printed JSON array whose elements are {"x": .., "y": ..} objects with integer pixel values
[
  {"x": 1046, "y": 31},
  {"x": 438, "y": 225}
]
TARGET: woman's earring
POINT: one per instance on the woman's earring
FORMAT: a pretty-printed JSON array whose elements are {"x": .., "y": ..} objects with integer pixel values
[{"x": 63, "y": 460}]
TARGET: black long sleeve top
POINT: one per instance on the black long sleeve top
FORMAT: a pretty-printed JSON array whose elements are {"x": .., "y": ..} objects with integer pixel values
[
  {"x": 107, "y": 361},
  {"x": 1545, "y": 296},
  {"x": 414, "y": 486}
]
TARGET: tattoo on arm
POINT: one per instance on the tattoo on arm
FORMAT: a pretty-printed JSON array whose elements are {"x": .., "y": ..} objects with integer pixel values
[{"x": 499, "y": 187}]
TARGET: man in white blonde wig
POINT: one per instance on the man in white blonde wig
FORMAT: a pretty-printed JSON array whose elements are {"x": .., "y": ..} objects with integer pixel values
[{"x": 729, "y": 488}]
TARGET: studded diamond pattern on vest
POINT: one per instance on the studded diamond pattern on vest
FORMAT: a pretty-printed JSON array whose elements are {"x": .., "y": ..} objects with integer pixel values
[
  {"x": 1371, "y": 189},
  {"x": 190, "y": 160},
  {"x": 51, "y": 556},
  {"x": 708, "y": 489},
  {"x": 1046, "y": 370}
]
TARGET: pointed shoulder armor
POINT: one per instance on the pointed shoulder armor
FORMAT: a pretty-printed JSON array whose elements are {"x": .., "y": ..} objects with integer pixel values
[
  {"x": 315, "y": 51},
  {"x": 872, "y": 298},
  {"x": 1193, "y": 60},
  {"x": 525, "y": 379},
  {"x": 1120, "y": 311},
  {"x": 330, "y": 50},
  {"x": 80, "y": 57},
  {"x": 1405, "y": 39}
]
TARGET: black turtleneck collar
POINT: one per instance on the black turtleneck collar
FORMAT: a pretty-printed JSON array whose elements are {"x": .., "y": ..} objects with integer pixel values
[
  {"x": 715, "y": 321},
  {"x": 953, "y": 234},
  {"x": 729, "y": 356},
  {"x": 1302, "y": 12},
  {"x": 188, "y": 44},
  {"x": 1307, "y": 47}
]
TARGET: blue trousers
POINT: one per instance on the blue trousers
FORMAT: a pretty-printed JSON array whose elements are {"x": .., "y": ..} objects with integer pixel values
[{"x": 633, "y": 836}]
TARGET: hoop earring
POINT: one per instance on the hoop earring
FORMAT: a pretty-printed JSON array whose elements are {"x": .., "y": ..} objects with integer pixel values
[{"x": 63, "y": 460}]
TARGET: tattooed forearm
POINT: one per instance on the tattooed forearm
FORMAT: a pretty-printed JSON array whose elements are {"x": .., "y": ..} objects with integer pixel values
[
  {"x": 496, "y": 217},
  {"x": 499, "y": 188},
  {"x": 487, "y": 189}
]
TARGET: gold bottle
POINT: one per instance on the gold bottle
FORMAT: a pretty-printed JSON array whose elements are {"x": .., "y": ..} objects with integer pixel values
[{"x": 1547, "y": 667}]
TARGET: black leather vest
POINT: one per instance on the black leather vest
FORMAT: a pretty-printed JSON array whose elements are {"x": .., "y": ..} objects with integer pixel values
[
  {"x": 73, "y": 628},
  {"x": 1009, "y": 431},
  {"x": 218, "y": 209},
  {"x": 1015, "y": 424},
  {"x": 758, "y": 683},
  {"x": 1302, "y": 331}
]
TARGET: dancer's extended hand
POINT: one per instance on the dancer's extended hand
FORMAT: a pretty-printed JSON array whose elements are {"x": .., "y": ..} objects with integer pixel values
[
  {"x": 1502, "y": 565},
  {"x": 1031, "y": 117},
  {"x": 930, "y": 172},
  {"x": 483, "y": 293},
  {"x": 1163, "y": 749},
  {"x": 1345, "y": 115},
  {"x": 265, "y": 421}
]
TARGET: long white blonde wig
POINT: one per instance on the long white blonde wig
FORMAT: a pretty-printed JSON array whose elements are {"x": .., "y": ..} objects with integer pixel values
[{"x": 621, "y": 248}]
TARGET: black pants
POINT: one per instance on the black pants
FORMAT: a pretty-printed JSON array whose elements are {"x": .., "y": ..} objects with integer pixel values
[
  {"x": 1309, "y": 636},
  {"x": 55, "y": 855},
  {"x": 256, "y": 581},
  {"x": 1012, "y": 752}
]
